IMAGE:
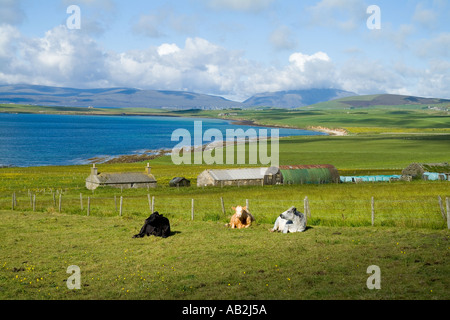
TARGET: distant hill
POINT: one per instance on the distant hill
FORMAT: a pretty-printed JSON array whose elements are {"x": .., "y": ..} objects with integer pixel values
[
  {"x": 113, "y": 97},
  {"x": 379, "y": 100},
  {"x": 296, "y": 98}
]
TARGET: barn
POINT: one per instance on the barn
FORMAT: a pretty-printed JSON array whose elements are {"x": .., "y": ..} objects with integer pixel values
[
  {"x": 129, "y": 180},
  {"x": 428, "y": 171},
  {"x": 309, "y": 174},
  {"x": 232, "y": 177},
  {"x": 296, "y": 174}
]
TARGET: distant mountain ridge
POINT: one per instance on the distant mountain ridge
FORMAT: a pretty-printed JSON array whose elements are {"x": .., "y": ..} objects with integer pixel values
[
  {"x": 367, "y": 101},
  {"x": 131, "y": 97},
  {"x": 157, "y": 99},
  {"x": 296, "y": 98},
  {"x": 111, "y": 97}
]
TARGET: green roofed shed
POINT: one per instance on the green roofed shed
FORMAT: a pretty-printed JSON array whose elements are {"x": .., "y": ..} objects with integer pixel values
[{"x": 309, "y": 174}]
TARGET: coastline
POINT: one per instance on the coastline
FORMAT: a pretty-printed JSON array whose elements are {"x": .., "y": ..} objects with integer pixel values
[
  {"x": 242, "y": 122},
  {"x": 153, "y": 154}
]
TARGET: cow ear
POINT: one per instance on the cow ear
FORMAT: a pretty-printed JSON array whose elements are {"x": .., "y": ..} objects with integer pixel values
[
  {"x": 245, "y": 208},
  {"x": 234, "y": 208}
]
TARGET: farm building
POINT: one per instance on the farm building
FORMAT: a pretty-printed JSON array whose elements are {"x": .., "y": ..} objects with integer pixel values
[
  {"x": 121, "y": 180},
  {"x": 180, "y": 182},
  {"x": 232, "y": 177},
  {"x": 428, "y": 171},
  {"x": 305, "y": 174},
  {"x": 309, "y": 174}
]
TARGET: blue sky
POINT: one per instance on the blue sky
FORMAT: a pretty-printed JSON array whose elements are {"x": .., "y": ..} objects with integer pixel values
[{"x": 231, "y": 48}]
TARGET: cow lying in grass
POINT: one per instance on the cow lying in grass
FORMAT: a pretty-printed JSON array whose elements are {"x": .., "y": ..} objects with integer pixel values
[
  {"x": 155, "y": 225},
  {"x": 290, "y": 221},
  {"x": 241, "y": 219}
]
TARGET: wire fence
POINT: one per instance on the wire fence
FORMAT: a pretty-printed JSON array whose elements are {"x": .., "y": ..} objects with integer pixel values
[{"x": 425, "y": 212}]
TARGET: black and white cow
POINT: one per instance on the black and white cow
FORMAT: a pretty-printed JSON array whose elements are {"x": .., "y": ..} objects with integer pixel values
[
  {"x": 156, "y": 225},
  {"x": 290, "y": 221}
]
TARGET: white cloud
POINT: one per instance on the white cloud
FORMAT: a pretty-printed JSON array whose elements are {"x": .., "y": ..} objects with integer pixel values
[
  {"x": 167, "y": 49},
  {"x": 240, "y": 5},
  {"x": 438, "y": 46},
  {"x": 66, "y": 58}
]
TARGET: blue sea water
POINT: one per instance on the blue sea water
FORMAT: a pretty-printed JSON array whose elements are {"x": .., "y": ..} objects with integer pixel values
[{"x": 28, "y": 140}]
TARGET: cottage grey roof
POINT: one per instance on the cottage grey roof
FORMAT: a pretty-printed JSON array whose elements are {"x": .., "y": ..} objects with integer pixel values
[
  {"x": 238, "y": 174},
  {"x": 122, "y": 178}
]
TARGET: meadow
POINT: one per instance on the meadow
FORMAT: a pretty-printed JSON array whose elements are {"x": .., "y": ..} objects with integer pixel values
[{"x": 204, "y": 260}]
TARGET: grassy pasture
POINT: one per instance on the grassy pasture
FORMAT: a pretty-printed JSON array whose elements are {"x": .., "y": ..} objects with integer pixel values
[{"x": 205, "y": 260}]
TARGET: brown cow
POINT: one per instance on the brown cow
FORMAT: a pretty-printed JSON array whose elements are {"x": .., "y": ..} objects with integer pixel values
[{"x": 241, "y": 219}]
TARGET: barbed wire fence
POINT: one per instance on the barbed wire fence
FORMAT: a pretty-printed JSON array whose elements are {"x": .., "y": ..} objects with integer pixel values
[{"x": 424, "y": 212}]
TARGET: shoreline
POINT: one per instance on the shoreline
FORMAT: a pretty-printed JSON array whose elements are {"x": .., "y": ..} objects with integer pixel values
[
  {"x": 243, "y": 122},
  {"x": 154, "y": 154}
]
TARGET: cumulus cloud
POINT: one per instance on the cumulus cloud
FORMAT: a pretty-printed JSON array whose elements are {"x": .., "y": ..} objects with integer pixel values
[{"x": 65, "y": 57}]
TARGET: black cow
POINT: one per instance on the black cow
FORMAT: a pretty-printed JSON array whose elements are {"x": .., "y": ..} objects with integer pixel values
[{"x": 155, "y": 225}]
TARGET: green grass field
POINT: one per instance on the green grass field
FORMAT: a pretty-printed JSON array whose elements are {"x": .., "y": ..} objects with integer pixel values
[{"x": 204, "y": 260}]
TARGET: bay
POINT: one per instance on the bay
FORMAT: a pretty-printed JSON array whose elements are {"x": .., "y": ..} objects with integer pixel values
[{"x": 30, "y": 140}]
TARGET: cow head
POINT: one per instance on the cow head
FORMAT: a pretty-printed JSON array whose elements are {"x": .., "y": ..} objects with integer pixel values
[
  {"x": 239, "y": 210},
  {"x": 289, "y": 214}
]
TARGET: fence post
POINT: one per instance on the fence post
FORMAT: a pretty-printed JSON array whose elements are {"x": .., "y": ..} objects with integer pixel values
[
  {"x": 153, "y": 204},
  {"x": 373, "y": 211},
  {"x": 306, "y": 207},
  {"x": 60, "y": 199},
  {"x": 447, "y": 201},
  {"x": 54, "y": 199},
  {"x": 13, "y": 200},
  {"x": 115, "y": 202},
  {"x": 441, "y": 205},
  {"x": 121, "y": 205},
  {"x": 223, "y": 206},
  {"x": 34, "y": 202},
  {"x": 247, "y": 204},
  {"x": 192, "y": 210},
  {"x": 149, "y": 202},
  {"x": 81, "y": 201},
  {"x": 89, "y": 206}
]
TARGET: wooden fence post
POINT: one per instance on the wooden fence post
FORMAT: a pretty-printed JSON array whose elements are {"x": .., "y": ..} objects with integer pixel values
[
  {"x": 121, "y": 206},
  {"x": 54, "y": 199},
  {"x": 153, "y": 204},
  {"x": 441, "y": 206},
  {"x": 60, "y": 200},
  {"x": 149, "y": 202},
  {"x": 34, "y": 202},
  {"x": 89, "y": 206},
  {"x": 373, "y": 211},
  {"x": 115, "y": 203},
  {"x": 13, "y": 200},
  {"x": 247, "y": 204},
  {"x": 223, "y": 205},
  {"x": 81, "y": 201},
  {"x": 192, "y": 210},
  {"x": 447, "y": 201},
  {"x": 306, "y": 207}
]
